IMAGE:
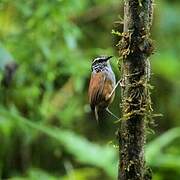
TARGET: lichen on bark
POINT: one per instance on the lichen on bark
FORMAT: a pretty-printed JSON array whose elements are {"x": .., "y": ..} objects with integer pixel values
[{"x": 135, "y": 48}]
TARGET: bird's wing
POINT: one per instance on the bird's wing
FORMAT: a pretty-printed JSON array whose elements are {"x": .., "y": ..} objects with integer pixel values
[{"x": 96, "y": 88}]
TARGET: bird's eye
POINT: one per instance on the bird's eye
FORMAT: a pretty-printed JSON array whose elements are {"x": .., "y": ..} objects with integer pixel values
[{"x": 101, "y": 60}]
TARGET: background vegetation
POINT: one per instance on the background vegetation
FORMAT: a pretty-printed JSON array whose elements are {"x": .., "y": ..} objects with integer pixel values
[{"x": 46, "y": 128}]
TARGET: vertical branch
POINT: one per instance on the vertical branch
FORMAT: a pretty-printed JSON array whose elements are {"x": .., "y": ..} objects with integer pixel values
[{"x": 135, "y": 48}]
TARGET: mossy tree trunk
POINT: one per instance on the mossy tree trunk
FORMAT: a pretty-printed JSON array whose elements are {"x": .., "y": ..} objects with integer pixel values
[{"x": 135, "y": 48}]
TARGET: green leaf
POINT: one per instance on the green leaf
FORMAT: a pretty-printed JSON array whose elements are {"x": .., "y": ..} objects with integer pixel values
[{"x": 84, "y": 151}]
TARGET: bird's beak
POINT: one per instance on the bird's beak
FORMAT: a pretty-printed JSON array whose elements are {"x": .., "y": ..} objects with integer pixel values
[{"x": 109, "y": 57}]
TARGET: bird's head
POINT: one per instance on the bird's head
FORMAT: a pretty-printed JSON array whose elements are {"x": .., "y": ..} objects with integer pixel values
[{"x": 101, "y": 61}]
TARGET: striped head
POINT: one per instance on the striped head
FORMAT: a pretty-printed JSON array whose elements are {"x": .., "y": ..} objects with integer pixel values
[{"x": 100, "y": 63}]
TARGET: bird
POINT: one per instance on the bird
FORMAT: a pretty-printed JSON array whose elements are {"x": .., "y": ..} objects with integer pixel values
[{"x": 102, "y": 85}]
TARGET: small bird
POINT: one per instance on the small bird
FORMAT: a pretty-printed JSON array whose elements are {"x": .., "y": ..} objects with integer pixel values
[{"x": 102, "y": 85}]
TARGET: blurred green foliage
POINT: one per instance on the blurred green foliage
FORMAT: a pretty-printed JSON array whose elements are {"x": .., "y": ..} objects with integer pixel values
[{"x": 46, "y": 128}]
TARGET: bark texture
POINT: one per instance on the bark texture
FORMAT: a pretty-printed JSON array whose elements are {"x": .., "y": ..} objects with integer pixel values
[{"x": 135, "y": 48}]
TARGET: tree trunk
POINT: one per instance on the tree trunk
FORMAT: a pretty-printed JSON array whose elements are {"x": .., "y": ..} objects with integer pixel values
[{"x": 135, "y": 48}]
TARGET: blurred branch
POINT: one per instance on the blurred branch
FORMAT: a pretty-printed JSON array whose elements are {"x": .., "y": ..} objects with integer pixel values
[
  {"x": 7, "y": 65},
  {"x": 9, "y": 72}
]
